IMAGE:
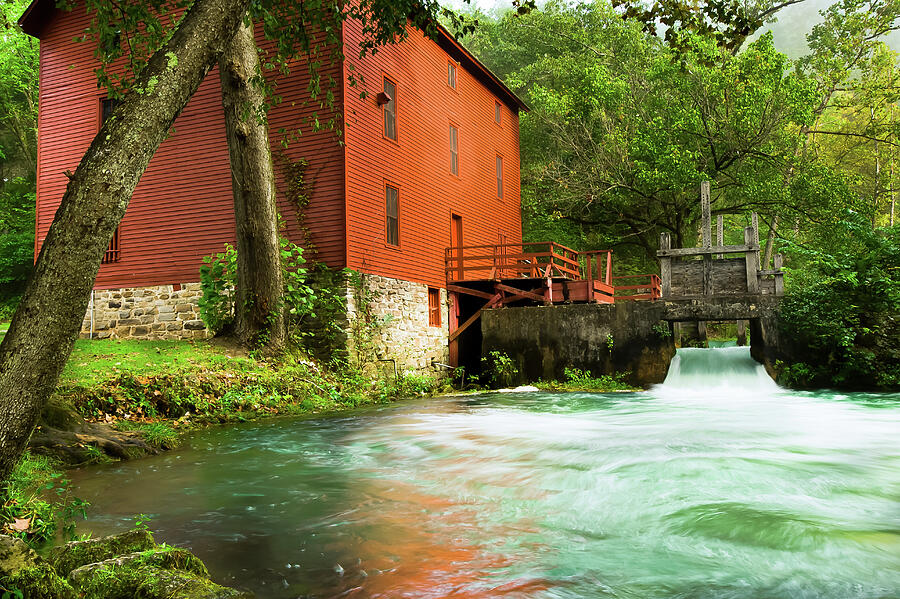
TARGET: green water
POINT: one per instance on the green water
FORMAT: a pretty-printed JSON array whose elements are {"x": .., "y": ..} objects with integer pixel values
[{"x": 717, "y": 484}]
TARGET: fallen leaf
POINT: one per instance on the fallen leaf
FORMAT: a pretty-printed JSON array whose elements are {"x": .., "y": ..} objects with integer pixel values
[{"x": 19, "y": 525}]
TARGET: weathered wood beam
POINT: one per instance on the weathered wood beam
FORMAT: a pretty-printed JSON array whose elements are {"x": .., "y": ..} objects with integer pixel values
[
  {"x": 705, "y": 231},
  {"x": 473, "y": 318},
  {"x": 718, "y": 249},
  {"x": 519, "y": 293},
  {"x": 467, "y": 291},
  {"x": 665, "y": 263},
  {"x": 751, "y": 259}
]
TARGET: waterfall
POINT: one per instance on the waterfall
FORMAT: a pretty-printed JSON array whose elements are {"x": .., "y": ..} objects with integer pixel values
[{"x": 718, "y": 370}]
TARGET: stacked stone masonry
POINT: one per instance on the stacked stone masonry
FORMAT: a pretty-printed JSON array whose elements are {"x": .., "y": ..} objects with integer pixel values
[
  {"x": 168, "y": 312},
  {"x": 403, "y": 333}
]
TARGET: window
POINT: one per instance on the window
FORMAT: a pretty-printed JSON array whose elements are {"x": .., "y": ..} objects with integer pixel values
[
  {"x": 454, "y": 150},
  {"x": 451, "y": 74},
  {"x": 498, "y": 111},
  {"x": 112, "y": 252},
  {"x": 107, "y": 105},
  {"x": 390, "y": 110},
  {"x": 434, "y": 307},
  {"x": 499, "y": 176},
  {"x": 392, "y": 215}
]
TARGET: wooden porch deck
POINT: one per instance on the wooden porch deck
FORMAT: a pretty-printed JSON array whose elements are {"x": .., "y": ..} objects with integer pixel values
[{"x": 541, "y": 273}]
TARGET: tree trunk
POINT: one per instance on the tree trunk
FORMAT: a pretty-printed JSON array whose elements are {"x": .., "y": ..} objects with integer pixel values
[
  {"x": 49, "y": 317},
  {"x": 770, "y": 242},
  {"x": 259, "y": 309}
]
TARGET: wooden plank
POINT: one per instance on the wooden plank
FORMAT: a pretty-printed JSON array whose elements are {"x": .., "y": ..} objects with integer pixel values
[
  {"x": 472, "y": 319},
  {"x": 467, "y": 291},
  {"x": 751, "y": 261},
  {"x": 720, "y": 232},
  {"x": 705, "y": 230},
  {"x": 754, "y": 222},
  {"x": 779, "y": 276},
  {"x": 719, "y": 249},
  {"x": 707, "y": 275},
  {"x": 665, "y": 264},
  {"x": 519, "y": 292}
]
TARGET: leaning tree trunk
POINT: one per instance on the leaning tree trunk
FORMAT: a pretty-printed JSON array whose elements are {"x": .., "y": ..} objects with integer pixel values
[
  {"x": 49, "y": 317},
  {"x": 259, "y": 310}
]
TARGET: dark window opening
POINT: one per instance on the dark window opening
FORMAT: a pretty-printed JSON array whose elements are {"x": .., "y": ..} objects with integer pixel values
[
  {"x": 451, "y": 74},
  {"x": 112, "y": 252},
  {"x": 390, "y": 110},
  {"x": 107, "y": 105},
  {"x": 498, "y": 111},
  {"x": 499, "y": 176},
  {"x": 392, "y": 215}
]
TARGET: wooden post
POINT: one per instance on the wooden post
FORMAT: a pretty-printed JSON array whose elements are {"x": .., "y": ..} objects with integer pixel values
[
  {"x": 751, "y": 259},
  {"x": 754, "y": 222},
  {"x": 665, "y": 265},
  {"x": 779, "y": 276},
  {"x": 589, "y": 265},
  {"x": 706, "y": 231},
  {"x": 742, "y": 333},
  {"x": 720, "y": 233},
  {"x": 701, "y": 333},
  {"x": 609, "y": 268}
]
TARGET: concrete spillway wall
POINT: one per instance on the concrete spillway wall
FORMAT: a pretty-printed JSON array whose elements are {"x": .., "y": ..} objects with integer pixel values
[
  {"x": 632, "y": 337},
  {"x": 598, "y": 338}
]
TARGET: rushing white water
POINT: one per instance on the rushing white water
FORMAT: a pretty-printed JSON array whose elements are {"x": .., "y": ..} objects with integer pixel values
[{"x": 715, "y": 485}]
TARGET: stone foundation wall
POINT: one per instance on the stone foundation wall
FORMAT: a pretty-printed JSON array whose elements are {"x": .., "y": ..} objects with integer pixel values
[
  {"x": 168, "y": 312},
  {"x": 400, "y": 330}
]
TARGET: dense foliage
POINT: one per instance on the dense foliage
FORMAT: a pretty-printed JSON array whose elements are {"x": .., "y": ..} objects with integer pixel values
[
  {"x": 18, "y": 153},
  {"x": 843, "y": 313},
  {"x": 624, "y": 126}
]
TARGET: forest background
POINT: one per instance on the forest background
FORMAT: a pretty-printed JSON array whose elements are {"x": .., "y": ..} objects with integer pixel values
[{"x": 626, "y": 122}]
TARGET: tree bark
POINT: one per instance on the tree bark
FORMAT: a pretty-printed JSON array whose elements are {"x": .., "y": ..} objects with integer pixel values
[
  {"x": 49, "y": 317},
  {"x": 259, "y": 307}
]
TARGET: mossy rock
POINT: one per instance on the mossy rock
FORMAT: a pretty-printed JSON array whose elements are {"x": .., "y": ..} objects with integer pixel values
[
  {"x": 15, "y": 555},
  {"x": 73, "y": 555},
  {"x": 140, "y": 581},
  {"x": 40, "y": 582},
  {"x": 163, "y": 557},
  {"x": 24, "y": 570}
]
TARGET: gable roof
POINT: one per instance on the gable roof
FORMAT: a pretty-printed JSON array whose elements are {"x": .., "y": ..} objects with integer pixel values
[{"x": 39, "y": 13}]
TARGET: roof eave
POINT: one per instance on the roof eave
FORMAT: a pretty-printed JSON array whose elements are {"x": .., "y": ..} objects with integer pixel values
[
  {"x": 35, "y": 16},
  {"x": 491, "y": 80}
]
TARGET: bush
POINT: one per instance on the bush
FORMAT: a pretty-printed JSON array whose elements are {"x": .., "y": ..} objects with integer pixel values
[
  {"x": 842, "y": 310},
  {"x": 36, "y": 502}
]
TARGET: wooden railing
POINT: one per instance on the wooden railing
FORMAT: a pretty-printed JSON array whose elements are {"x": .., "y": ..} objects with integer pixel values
[
  {"x": 635, "y": 289},
  {"x": 536, "y": 260}
]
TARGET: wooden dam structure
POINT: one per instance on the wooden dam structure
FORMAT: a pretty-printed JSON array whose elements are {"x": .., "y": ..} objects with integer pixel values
[{"x": 690, "y": 280}]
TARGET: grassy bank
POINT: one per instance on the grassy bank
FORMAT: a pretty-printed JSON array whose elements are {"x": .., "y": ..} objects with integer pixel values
[{"x": 162, "y": 387}]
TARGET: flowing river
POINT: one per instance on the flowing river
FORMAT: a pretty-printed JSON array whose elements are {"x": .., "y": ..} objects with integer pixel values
[{"x": 716, "y": 484}]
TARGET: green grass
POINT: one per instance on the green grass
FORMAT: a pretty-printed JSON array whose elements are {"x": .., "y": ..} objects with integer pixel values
[{"x": 96, "y": 360}]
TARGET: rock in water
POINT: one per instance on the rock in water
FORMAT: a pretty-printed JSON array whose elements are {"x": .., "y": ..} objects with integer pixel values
[{"x": 79, "y": 553}]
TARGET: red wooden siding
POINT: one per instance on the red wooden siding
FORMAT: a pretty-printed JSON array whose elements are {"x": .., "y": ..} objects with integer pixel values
[
  {"x": 182, "y": 209},
  {"x": 418, "y": 163}
]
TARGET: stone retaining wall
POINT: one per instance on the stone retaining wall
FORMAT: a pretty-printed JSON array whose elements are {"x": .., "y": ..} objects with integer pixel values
[
  {"x": 400, "y": 328},
  {"x": 161, "y": 312},
  {"x": 398, "y": 313}
]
